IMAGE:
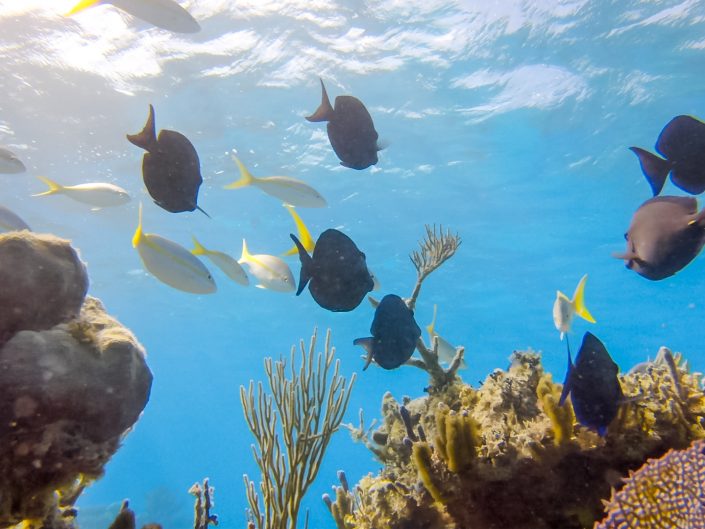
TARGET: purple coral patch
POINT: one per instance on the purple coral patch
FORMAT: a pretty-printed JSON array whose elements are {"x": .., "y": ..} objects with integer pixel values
[{"x": 665, "y": 492}]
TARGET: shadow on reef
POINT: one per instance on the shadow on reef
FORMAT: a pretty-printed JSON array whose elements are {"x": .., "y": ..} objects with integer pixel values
[{"x": 74, "y": 381}]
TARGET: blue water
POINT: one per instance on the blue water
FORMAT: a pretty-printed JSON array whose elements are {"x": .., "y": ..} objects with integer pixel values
[{"x": 507, "y": 122}]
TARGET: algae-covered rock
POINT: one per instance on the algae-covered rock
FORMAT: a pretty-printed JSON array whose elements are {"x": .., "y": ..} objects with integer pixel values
[
  {"x": 42, "y": 282},
  {"x": 506, "y": 455},
  {"x": 69, "y": 395}
]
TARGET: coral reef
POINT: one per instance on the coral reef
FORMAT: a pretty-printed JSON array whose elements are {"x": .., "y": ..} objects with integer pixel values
[
  {"x": 301, "y": 413},
  {"x": 202, "y": 516},
  {"x": 665, "y": 492},
  {"x": 505, "y": 455},
  {"x": 42, "y": 282},
  {"x": 70, "y": 391}
]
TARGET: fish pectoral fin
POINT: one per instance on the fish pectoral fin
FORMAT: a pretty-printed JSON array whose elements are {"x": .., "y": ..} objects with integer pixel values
[
  {"x": 325, "y": 111},
  {"x": 374, "y": 302},
  {"x": 655, "y": 168},
  {"x": 366, "y": 343},
  {"x": 626, "y": 256}
]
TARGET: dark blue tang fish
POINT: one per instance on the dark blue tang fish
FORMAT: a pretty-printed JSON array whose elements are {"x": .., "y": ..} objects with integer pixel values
[
  {"x": 593, "y": 385},
  {"x": 337, "y": 274},
  {"x": 170, "y": 168},
  {"x": 682, "y": 144},
  {"x": 394, "y": 334},
  {"x": 350, "y": 130}
]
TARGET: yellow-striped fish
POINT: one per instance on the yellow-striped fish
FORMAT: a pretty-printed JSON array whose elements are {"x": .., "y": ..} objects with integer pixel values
[
  {"x": 226, "y": 263},
  {"x": 171, "y": 263},
  {"x": 271, "y": 271},
  {"x": 289, "y": 190}
]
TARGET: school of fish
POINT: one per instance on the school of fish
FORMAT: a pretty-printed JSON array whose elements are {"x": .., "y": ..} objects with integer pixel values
[{"x": 666, "y": 232}]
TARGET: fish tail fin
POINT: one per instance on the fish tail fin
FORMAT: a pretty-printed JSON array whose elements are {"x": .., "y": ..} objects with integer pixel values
[
  {"x": 147, "y": 138},
  {"x": 579, "y": 301},
  {"x": 302, "y": 231},
  {"x": 325, "y": 111},
  {"x": 198, "y": 248},
  {"x": 366, "y": 343},
  {"x": 306, "y": 264},
  {"x": 83, "y": 4},
  {"x": 137, "y": 237},
  {"x": 432, "y": 326},
  {"x": 246, "y": 178},
  {"x": 53, "y": 187},
  {"x": 655, "y": 168}
]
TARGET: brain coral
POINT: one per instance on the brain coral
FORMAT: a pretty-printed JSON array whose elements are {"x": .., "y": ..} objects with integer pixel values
[{"x": 665, "y": 492}]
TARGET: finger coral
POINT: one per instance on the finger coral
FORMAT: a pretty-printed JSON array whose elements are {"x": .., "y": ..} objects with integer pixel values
[
  {"x": 507, "y": 454},
  {"x": 665, "y": 492}
]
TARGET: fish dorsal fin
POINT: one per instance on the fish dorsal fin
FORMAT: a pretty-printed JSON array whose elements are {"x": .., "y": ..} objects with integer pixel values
[
  {"x": 246, "y": 178},
  {"x": 430, "y": 328},
  {"x": 325, "y": 111},
  {"x": 198, "y": 249},
  {"x": 147, "y": 138},
  {"x": 304, "y": 235},
  {"x": 578, "y": 301},
  {"x": 137, "y": 237},
  {"x": 83, "y": 4},
  {"x": 53, "y": 187}
]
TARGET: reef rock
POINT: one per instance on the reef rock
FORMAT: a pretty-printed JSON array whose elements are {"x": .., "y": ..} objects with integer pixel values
[
  {"x": 69, "y": 395},
  {"x": 507, "y": 455},
  {"x": 42, "y": 282}
]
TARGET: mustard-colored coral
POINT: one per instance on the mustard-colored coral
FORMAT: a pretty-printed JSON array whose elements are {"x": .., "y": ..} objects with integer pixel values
[
  {"x": 457, "y": 436},
  {"x": 526, "y": 463},
  {"x": 422, "y": 456},
  {"x": 561, "y": 417}
]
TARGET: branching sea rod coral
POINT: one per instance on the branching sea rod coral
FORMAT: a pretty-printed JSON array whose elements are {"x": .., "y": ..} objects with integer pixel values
[
  {"x": 434, "y": 250},
  {"x": 292, "y": 427}
]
